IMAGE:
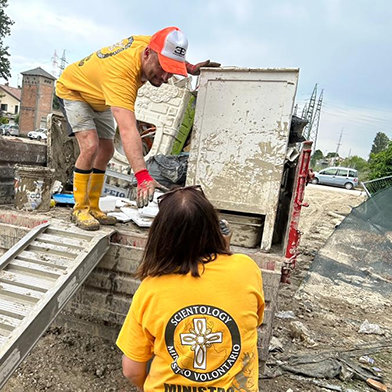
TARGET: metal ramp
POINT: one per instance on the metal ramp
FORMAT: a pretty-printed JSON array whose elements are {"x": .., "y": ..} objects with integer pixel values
[{"x": 37, "y": 278}]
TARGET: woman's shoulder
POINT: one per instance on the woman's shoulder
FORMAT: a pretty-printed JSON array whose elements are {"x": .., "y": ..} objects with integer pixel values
[{"x": 242, "y": 260}]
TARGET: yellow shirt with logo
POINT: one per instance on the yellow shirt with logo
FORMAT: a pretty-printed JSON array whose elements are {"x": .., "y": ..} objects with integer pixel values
[
  {"x": 201, "y": 332},
  {"x": 109, "y": 77}
]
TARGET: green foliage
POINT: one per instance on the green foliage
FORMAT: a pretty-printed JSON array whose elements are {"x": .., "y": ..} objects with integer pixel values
[
  {"x": 380, "y": 143},
  {"x": 5, "y": 29},
  {"x": 55, "y": 103},
  {"x": 359, "y": 164},
  {"x": 380, "y": 164},
  {"x": 16, "y": 119},
  {"x": 332, "y": 155},
  {"x": 355, "y": 162},
  {"x": 317, "y": 155},
  {"x": 4, "y": 120}
]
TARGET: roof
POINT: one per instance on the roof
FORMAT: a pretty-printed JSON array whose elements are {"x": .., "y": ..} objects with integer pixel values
[
  {"x": 13, "y": 91},
  {"x": 38, "y": 72}
]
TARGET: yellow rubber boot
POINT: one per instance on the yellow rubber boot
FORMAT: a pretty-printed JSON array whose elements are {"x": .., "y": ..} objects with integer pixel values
[
  {"x": 96, "y": 184},
  {"x": 80, "y": 214}
]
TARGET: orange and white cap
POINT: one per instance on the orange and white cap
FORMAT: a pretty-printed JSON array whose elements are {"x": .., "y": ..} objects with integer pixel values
[{"x": 171, "y": 45}]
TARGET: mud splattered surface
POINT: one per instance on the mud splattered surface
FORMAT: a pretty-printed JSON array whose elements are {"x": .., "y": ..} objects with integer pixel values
[{"x": 65, "y": 360}]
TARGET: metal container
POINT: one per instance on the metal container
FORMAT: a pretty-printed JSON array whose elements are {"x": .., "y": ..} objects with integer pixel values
[{"x": 240, "y": 139}]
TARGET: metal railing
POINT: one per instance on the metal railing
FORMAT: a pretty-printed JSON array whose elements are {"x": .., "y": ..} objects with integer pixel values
[{"x": 374, "y": 186}]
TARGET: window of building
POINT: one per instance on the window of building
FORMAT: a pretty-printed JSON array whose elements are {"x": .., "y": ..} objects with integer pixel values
[
  {"x": 16, "y": 109},
  {"x": 4, "y": 107}
]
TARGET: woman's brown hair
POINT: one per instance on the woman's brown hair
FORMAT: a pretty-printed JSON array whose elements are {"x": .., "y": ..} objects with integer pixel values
[{"x": 184, "y": 233}]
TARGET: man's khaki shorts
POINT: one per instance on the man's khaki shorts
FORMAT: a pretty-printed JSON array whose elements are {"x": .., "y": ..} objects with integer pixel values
[{"x": 81, "y": 117}]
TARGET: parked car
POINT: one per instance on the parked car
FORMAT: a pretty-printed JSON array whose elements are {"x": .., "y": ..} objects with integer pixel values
[
  {"x": 39, "y": 134},
  {"x": 337, "y": 176},
  {"x": 10, "y": 130}
]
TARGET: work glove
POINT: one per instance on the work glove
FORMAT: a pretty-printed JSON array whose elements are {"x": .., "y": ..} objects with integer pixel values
[
  {"x": 226, "y": 232},
  {"x": 146, "y": 187},
  {"x": 195, "y": 69}
]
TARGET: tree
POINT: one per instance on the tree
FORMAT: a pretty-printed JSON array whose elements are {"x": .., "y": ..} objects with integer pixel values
[
  {"x": 355, "y": 162},
  {"x": 5, "y": 29},
  {"x": 380, "y": 143},
  {"x": 359, "y": 164},
  {"x": 332, "y": 155},
  {"x": 381, "y": 163},
  {"x": 317, "y": 155}
]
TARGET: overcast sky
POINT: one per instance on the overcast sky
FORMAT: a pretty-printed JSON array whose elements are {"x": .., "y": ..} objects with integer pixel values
[{"x": 343, "y": 45}]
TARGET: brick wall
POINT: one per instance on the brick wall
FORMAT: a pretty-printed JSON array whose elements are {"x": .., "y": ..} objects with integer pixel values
[{"x": 36, "y": 102}]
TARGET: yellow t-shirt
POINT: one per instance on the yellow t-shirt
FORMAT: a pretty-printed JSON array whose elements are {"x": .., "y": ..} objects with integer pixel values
[
  {"x": 109, "y": 77},
  {"x": 202, "y": 331}
]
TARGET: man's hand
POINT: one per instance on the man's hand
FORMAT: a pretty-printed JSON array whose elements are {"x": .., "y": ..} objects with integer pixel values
[
  {"x": 146, "y": 187},
  {"x": 195, "y": 69}
]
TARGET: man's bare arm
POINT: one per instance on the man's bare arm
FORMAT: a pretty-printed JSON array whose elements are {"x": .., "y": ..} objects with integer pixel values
[{"x": 130, "y": 137}]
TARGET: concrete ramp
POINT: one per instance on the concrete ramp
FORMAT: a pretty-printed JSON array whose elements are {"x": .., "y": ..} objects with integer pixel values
[
  {"x": 355, "y": 265},
  {"x": 38, "y": 276}
]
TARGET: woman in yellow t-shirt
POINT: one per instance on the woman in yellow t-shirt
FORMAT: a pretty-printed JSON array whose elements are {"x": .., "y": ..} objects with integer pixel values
[{"x": 198, "y": 307}]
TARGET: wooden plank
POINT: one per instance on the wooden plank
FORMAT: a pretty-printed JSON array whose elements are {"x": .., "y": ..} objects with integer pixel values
[
  {"x": 63, "y": 240},
  {"x": 44, "y": 259},
  {"x": 43, "y": 271},
  {"x": 27, "y": 282}
]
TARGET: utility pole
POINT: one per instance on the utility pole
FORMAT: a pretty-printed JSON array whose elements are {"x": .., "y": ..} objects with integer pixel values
[
  {"x": 309, "y": 114},
  {"x": 63, "y": 62},
  {"x": 339, "y": 142},
  {"x": 55, "y": 64},
  {"x": 316, "y": 122}
]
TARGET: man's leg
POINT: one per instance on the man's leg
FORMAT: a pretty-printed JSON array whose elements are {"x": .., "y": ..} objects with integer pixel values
[
  {"x": 88, "y": 145},
  {"x": 104, "y": 154}
]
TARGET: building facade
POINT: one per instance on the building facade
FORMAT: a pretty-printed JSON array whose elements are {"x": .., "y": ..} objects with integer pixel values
[
  {"x": 9, "y": 100},
  {"x": 36, "y": 100}
]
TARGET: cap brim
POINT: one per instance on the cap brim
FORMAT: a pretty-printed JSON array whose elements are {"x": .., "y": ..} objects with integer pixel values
[{"x": 172, "y": 66}]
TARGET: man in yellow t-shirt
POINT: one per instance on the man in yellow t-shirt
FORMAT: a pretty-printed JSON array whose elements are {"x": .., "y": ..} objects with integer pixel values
[{"x": 102, "y": 85}]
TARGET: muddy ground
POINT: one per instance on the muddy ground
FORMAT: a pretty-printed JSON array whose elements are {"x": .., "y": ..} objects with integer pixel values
[{"x": 65, "y": 360}]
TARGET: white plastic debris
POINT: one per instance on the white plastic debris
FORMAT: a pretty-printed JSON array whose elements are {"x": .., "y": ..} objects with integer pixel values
[
  {"x": 135, "y": 216},
  {"x": 369, "y": 328},
  {"x": 107, "y": 203},
  {"x": 120, "y": 216},
  {"x": 151, "y": 211},
  {"x": 366, "y": 359},
  {"x": 123, "y": 202},
  {"x": 289, "y": 314},
  {"x": 275, "y": 345}
]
